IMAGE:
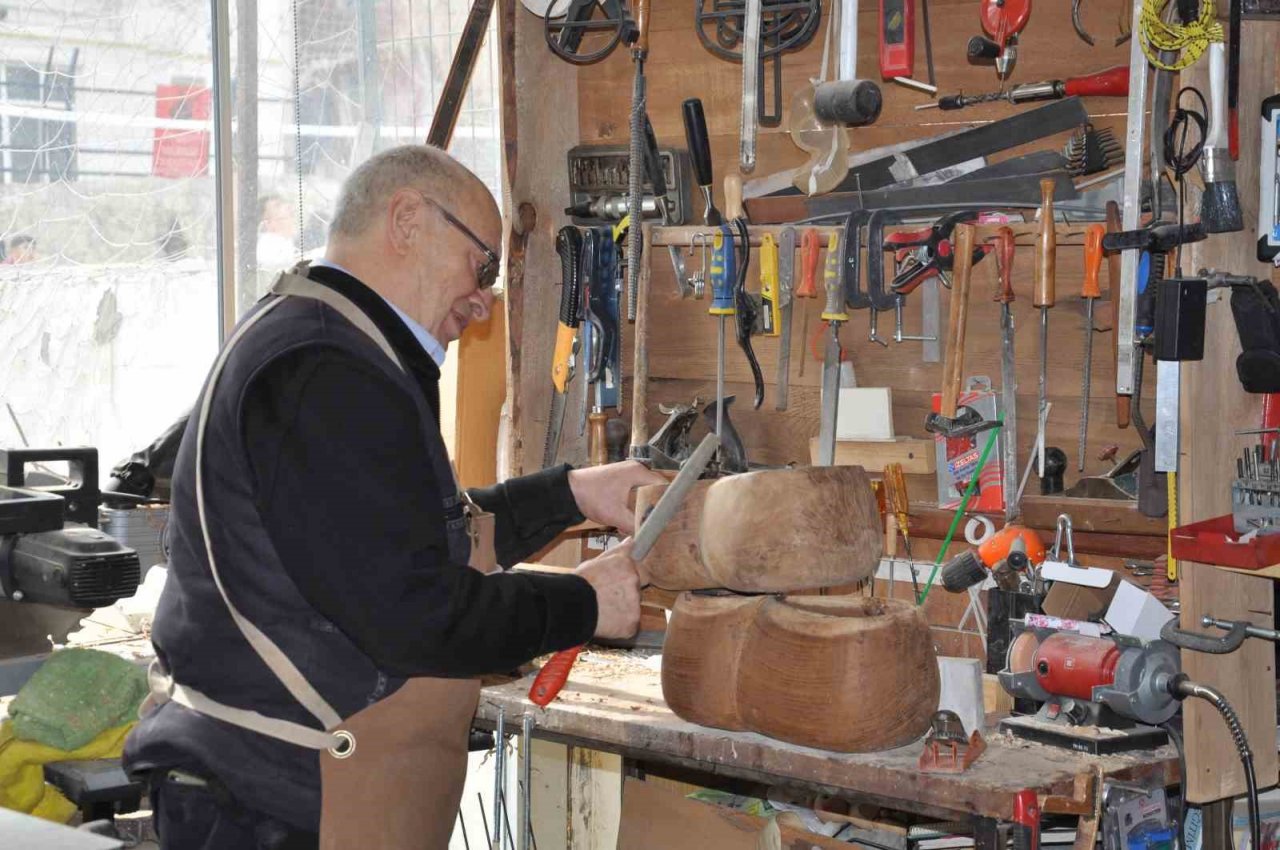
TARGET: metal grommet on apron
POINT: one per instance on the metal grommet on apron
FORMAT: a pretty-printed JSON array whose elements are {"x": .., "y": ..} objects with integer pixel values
[
  {"x": 346, "y": 747},
  {"x": 414, "y": 742}
]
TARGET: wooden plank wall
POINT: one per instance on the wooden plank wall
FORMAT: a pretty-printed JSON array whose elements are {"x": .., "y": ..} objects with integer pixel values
[
  {"x": 682, "y": 344},
  {"x": 1213, "y": 406}
]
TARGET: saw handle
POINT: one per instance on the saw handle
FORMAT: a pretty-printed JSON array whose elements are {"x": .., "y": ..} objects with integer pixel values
[
  {"x": 1046, "y": 248},
  {"x": 1092, "y": 260},
  {"x": 1113, "y": 82},
  {"x": 1004, "y": 264},
  {"x": 810, "y": 245},
  {"x": 552, "y": 676},
  {"x": 953, "y": 364}
]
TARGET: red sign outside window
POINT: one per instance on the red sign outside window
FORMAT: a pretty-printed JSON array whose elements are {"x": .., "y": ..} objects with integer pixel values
[{"x": 181, "y": 151}]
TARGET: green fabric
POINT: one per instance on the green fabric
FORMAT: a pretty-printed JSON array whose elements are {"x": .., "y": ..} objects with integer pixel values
[{"x": 75, "y": 696}]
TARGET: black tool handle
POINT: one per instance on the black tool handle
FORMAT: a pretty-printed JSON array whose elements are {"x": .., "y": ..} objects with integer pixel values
[
  {"x": 569, "y": 247},
  {"x": 653, "y": 161},
  {"x": 695, "y": 131},
  {"x": 982, "y": 49}
]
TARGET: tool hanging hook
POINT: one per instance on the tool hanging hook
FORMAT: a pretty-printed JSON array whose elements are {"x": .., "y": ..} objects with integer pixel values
[{"x": 1075, "y": 22}]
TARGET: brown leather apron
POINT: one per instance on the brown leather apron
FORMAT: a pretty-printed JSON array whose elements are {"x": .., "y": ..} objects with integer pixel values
[
  {"x": 391, "y": 774},
  {"x": 401, "y": 787}
]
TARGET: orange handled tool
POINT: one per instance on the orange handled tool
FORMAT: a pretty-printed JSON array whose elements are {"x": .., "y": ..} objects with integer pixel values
[
  {"x": 1123, "y": 402},
  {"x": 555, "y": 673},
  {"x": 810, "y": 247},
  {"x": 1089, "y": 292},
  {"x": 1043, "y": 295}
]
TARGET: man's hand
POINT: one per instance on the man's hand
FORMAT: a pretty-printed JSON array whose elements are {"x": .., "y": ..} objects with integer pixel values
[
  {"x": 602, "y": 491},
  {"x": 616, "y": 580}
]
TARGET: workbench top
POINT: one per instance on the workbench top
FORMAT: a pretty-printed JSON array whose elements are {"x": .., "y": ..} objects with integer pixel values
[{"x": 613, "y": 702}]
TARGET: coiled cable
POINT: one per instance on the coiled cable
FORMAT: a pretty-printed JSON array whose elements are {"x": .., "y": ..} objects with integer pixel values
[{"x": 1189, "y": 40}]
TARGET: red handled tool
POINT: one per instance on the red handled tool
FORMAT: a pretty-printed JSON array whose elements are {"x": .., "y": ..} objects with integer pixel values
[
  {"x": 555, "y": 673},
  {"x": 810, "y": 247},
  {"x": 1113, "y": 82},
  {"x": 897, "y": 38}
]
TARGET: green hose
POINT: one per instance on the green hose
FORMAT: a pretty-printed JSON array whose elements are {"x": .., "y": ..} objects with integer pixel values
[{"x": 964, "y": 505}]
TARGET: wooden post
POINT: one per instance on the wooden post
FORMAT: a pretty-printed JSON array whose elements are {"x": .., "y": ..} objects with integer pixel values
[
  {"x": 540, "y": 97},
  {"x": 1213, "y": 406}
]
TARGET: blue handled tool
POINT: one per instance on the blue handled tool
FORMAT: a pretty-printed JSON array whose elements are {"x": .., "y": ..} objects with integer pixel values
[{"x": 724, "y": 276}]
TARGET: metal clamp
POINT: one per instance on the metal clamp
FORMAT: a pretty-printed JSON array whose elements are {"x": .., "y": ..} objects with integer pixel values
[{"x": 1064, "y": 529}]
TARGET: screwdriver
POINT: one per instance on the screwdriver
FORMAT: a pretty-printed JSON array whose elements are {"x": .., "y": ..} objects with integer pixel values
[
  {"x": 810, "y": 246},
  {"x": 897, "y": 505},
  {"x": 834, "y": 314},
  {"x": 1090, "y": 292},
  {"x": 807, "y": 287},
  {"x": 724, "y": 273},
  {"x": 769, "y": 296},
  {"x": 1043, "y": 297},
  {"x": 1113, "y": 82}
]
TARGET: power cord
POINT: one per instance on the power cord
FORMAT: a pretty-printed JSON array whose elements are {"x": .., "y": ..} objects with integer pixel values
[
  {"x": 1181, "y": 156},
  {"x": 1181, "y": 687}
]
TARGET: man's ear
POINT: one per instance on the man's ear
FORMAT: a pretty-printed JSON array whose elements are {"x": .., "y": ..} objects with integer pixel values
[{"x": 405, "y": 218}]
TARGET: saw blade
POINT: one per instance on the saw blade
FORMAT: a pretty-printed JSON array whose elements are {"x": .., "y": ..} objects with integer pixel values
[{"x": 555, "y": 425}]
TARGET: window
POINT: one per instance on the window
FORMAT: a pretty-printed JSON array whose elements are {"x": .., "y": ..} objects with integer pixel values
[{"x": 108, "y": 248}]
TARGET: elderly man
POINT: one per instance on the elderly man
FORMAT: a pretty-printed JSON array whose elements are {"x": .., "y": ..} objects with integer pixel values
[{"x": 321, "y": 630}]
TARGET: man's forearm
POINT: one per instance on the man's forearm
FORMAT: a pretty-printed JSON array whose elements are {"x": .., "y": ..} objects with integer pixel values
[{"x": 529, "y": 511}]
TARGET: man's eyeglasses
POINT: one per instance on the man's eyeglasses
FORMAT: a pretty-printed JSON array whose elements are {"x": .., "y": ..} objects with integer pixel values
[{"x": 488, "y": 273}]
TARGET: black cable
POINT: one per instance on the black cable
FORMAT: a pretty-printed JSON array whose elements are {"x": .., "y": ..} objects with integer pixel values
[
  {"x": 1184, "y": 687},
  {"x": 1179, "y": 158},
  {"x": 746, "y": 311},
  {"x": 1176, "y": 737}
]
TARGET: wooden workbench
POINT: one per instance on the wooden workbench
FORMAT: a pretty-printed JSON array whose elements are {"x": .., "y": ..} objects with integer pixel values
[{"x": 613, "y": 702}]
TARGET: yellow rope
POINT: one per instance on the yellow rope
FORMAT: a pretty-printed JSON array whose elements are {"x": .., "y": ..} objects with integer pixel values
[{"x": 1188, "y": 40}]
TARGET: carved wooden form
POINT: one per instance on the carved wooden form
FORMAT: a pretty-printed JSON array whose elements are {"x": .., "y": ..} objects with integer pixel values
[
  {"x": 843, "y": 673},
  {"x": 770, "y": 531},
  {"x": 700, "y": 657}
]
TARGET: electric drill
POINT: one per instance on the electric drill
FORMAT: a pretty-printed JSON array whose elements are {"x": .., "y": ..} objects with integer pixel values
[{"x": 1011, "y": 550}]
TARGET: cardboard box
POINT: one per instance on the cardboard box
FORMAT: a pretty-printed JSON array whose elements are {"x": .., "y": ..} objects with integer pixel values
[
  {"x": 957, "y": 457},
  {"x": 1078, "y": 593},
  {"x": 656, "y": 817},
  {"x": 1135, "y": 612}
]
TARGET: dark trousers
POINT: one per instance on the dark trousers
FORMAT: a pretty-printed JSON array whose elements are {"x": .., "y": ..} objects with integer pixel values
[{"x": 197, "y": 814}]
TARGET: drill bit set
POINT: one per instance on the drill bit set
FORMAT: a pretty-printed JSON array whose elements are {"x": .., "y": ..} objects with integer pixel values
[{"x": 1255, "y": 494}]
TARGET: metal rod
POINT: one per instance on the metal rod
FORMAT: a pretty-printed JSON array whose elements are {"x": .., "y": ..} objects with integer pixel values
[
  {"x": 499, "y": 767},
  {"x": 526, "y": 779},
  {"x": 223, "y": 172},
  {"x": 1132, "y": 208}
]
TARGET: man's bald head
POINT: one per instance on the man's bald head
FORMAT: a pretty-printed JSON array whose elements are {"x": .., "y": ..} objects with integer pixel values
[{"x": 368, "y": 190}]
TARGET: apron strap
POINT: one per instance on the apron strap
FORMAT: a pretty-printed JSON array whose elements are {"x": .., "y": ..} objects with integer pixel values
[
  {"x": 295, "y": 282},
  {"x": 339, "y": 742},
  {"x": 271, "y": 654}
]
